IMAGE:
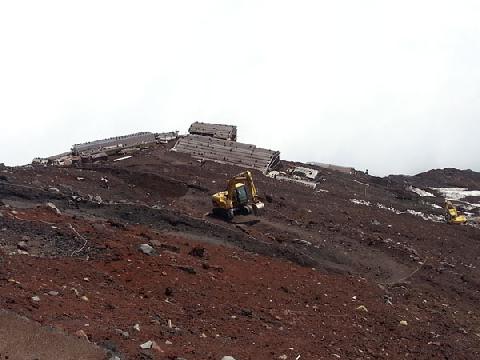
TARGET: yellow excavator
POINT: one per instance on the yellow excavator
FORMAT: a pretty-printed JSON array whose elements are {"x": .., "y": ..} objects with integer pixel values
[
  {"x": 451, "y": 214},
  {"x": 240, "y": 198}
]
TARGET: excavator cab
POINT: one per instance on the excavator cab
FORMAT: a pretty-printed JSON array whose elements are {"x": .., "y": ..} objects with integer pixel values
[
  {"x": 451, "y": 214},
  {"x": 241, "y": 195},
  {"x": 240, "y": 198}
]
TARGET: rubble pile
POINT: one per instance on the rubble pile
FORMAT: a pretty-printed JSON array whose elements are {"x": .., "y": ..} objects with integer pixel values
[
  {"x": 100, "y": 150},
  {"x": 218, "y": 143}
]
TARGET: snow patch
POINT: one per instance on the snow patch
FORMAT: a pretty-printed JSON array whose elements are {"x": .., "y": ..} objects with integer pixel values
[
  {"x": 361, "y": 202},
  {"x": 420, "y": 191},
  {"x": 391, "y": 209},
  {"x": 430, "y": 217},
  {"x": 457, "y": 193},
  {"x": 435, "y": 218}
]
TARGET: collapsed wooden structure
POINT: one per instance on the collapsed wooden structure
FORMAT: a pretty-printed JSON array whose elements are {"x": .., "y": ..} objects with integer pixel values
[
  {"x": 219, "y": 131},
  {"x": 228, "y": 152},
  {"x": 114, "y": 143}
]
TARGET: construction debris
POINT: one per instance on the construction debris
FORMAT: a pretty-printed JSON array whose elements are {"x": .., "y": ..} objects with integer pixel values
[
  {"x": 123, "y": 158},
  {"x": 101, "y": 156},
  {"x": 297, "y": 175},
  {"x": 343, "y": 169},
  {"x": 229, "y": 152},
  {"x": 166, "y": 137},
  {"x": 305, "y": 172},
  {"x": 63, "y": 159},
  {"x": 100, "y": 150},
  {"x": 118, "y": 142},
  {"x": 284, "y": 177},
  {"x": 218, "y": 131}
]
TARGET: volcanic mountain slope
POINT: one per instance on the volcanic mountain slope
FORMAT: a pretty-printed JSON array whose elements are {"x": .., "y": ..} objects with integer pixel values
[
  {"x": 444, "y": 178},
  {"x": 359, "y": 268}
]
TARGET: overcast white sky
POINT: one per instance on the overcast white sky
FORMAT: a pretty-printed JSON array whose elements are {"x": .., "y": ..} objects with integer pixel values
[{"x": 388, "y": 85}]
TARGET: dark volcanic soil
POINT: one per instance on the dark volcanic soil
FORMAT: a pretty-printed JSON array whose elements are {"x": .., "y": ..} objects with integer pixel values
[{"x": 318, "y": 276}]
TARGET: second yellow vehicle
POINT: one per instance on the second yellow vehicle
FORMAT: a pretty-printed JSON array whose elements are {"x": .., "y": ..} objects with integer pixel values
[{"x": 451, "y": 214}]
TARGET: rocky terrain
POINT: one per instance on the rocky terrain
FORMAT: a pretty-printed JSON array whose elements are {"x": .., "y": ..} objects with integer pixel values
[{"x": 124, "y": 257}]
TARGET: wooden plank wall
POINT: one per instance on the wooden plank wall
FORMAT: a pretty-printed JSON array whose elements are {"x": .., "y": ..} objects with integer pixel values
[
  {"x": 219, "y": 131},
  {"x": 125, "y": 141},
  {"x": 226, "y": 151}
]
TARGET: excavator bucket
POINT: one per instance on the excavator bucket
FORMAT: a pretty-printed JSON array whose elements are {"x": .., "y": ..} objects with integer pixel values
[
  {"x": 460, "y": 219},
  {"x": 258, "y": 208}
]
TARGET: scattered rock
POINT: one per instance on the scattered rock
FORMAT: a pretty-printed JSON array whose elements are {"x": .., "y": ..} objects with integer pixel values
[
  {"x": 98, "y": 199},
  {"x": 156, "y": 347},
  {"x": 109, "y": 345},
  {"x": 168, "y": 342},
  {"x": 228, "y": 358},
  {"x": 168, "y": 291},
  {"x": 84, "y": 298},
  {"x": 165, "y": 246},
  {"x": 207, "y": 266},
  {"x": 81, "y": 334},
  {"x": 246, "y": 312},
  {"x": 362, "y": 308},
  {"x": 283, "y": 357},
  {"x": 151, "y": 345},
  {"x": 198, "y": 251},
  {"x": 53, "y": 189},
  {"x": 187, "y": 269},
  {"x": 77, "y": 198},
  {"x": 124, "y": 334},
  {"x": 53, "y": 293},
  {"x": 22, "y": 245},
  {"x": 146, "y": 249},
  {"x": 404, "y": 323},
  {"x": 53, "y": 207},
  {"x": 35, "y": 298},
  {"x": 147, "y": 345},
  {"x": 388, "y": 299},
  {"x": 136, "y": 327},
  {"x": 376, "y": 222}
]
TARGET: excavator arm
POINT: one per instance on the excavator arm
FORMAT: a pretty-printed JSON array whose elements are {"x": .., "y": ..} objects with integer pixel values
[{"x": 242, "y": 178}]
